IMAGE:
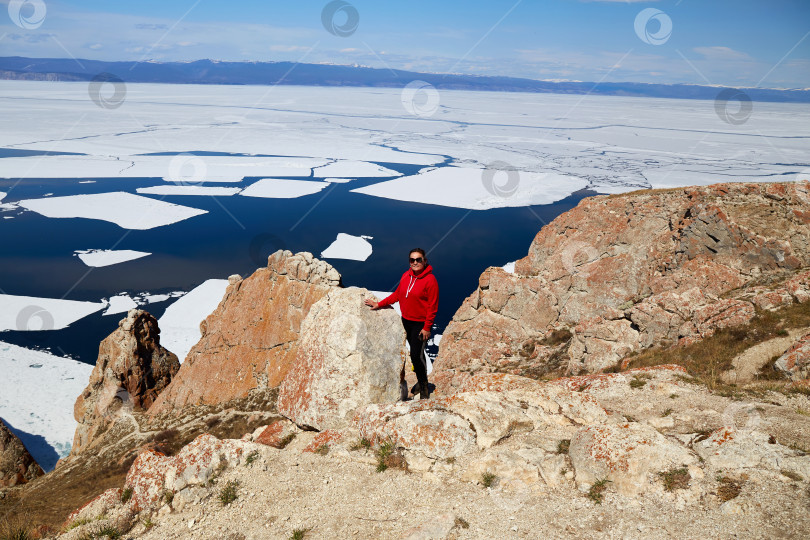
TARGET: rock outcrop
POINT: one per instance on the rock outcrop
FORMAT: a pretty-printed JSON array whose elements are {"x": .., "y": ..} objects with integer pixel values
[
  {"x": 348, "y": 356},
  {"x": 131, "y": 371},
  {"x": 250, "y": 342},
  {"x": 16, "y": 464},
  {"x": 795, "y": 363},
  {"x": 621, "y": 273}
]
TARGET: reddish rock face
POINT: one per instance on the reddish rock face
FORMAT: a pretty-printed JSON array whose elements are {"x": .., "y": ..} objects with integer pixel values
[
  {"x": 622, "y": 273},
  {"x": 16, "y": 464},
  {"x": 131, "y": 371},
  {"x": 251, "y": 340}
]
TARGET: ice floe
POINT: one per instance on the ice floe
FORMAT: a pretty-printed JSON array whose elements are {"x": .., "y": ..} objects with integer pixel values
[
  {"x": 120, "y": 303},
  {"x": 477, "y": 189},
  {"x": 107, "y": 257},
  {"x": 211, "y": 191},
  {"x": 346, "y": 246},
  {"x": 279, "y": 188},
  {"x": 37, "y": 393},
  {"x": 126, "y": 210},
  {"x": 353, "y": 169},
  {"x": 28, "y": 313},
  {"x": 180, "y": 323},
  {"x": 181, "y": 168}
]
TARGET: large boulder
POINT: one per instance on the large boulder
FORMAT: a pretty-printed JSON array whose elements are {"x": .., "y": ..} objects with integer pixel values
[
  {"x": 131, "y": 371},
  {"x": 348, "y": 356},
  {"x": 489, "y": 409},
  {"x": 250, "y": 342},
  {"x": 625, "y": 272},
  {"x": 625, "y": 454},
  {"x": 16, "y": 464}
]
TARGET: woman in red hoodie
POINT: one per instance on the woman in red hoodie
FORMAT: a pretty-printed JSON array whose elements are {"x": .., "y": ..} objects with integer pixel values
[{"x": 418, "y": 297}]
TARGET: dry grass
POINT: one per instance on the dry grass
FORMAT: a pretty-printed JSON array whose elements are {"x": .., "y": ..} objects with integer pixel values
[
  {"x": 728, "y": 489},
  {"x": 487, "y": 479},
  {"x": 675, "y": 479},
  {"x": 708, "y": 358},
  {"x": 563, "y": 446}
]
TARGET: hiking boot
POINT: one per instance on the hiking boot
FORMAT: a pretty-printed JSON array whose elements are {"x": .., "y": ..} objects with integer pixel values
[{"x": 424, "y": 394}]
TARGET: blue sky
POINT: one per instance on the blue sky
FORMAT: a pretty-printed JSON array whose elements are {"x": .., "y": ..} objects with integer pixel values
[{"x": 736, "y": 43}]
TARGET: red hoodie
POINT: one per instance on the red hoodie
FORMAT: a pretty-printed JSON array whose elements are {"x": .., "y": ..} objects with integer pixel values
[{"x": 418, "y": 296}]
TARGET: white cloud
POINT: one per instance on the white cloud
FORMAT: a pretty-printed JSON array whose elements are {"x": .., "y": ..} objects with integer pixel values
[{"x": 722, "y": 54}]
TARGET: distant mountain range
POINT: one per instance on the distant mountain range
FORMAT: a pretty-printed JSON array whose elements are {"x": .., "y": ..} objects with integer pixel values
[{"x": 269, "y": 73}]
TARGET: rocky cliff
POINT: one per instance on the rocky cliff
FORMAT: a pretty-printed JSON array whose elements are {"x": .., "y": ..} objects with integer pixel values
[
  {"x": 131, "y": 370},
  {"x": 647, "y": 452},
  {"x": 250, "y": 342},
  {"x": 618, "y": 274},
  {"x": 16, "y": 464}
]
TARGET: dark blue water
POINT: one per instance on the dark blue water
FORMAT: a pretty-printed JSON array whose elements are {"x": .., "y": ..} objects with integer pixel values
[{"x": 236, "y": 236}]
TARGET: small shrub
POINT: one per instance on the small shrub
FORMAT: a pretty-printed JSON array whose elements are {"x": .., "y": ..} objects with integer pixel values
[
  {"x": 322, "y": 450},
  {"x": 792, "y": 475},
  {"x": 168, "y": 496},
  {"x": 228, "y": 493},
  {"x": 630, "y": 418},
  {"x": 109, "y": 531},
  {"x": 728, "y": 489},
  {"x": 666, "y": 413},
  {"x": 385, "y": 449},
  {"x": 675, "y": 479},
  {"x": 637, "y": 382},
  {"x": 148, "y": 523},
  {"x": 299, "y": 534},
  {"x": 563, "y": 446},
  {"x": 802, "y": 412},
  {"x": 361, "y": 444},
  {"x": 251, "y": 457},
  {"x": 596, "y": 491},
  {"x": 16, "y": 531},
  {"x": 126, "y": 495},
  {"x": 286, "y": 440},
  {"x": 487, "y": 479},
  {"x": 462, "y": 523},
  {"x": 673, "y": 396},
  {"x": 74, "y": 524}
]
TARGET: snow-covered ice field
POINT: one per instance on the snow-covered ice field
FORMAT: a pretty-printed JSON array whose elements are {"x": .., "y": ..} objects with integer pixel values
[{"x": 104, "y": 210}]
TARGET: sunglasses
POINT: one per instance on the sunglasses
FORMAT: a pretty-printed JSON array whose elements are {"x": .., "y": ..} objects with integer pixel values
[{"x": 416, "y": 260}]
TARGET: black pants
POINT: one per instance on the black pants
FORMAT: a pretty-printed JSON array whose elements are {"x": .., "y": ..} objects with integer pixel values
[{"x": 417, "y": 345}]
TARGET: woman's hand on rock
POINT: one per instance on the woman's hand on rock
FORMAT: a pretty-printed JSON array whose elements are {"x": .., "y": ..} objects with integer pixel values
[{"x": 372, "y": 304}]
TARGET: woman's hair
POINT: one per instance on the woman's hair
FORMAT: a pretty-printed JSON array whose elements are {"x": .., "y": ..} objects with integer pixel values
[{"x": 419, "y": 250}]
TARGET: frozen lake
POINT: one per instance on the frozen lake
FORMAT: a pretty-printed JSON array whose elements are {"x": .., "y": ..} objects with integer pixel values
[{"x": 173, "y": 188}]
